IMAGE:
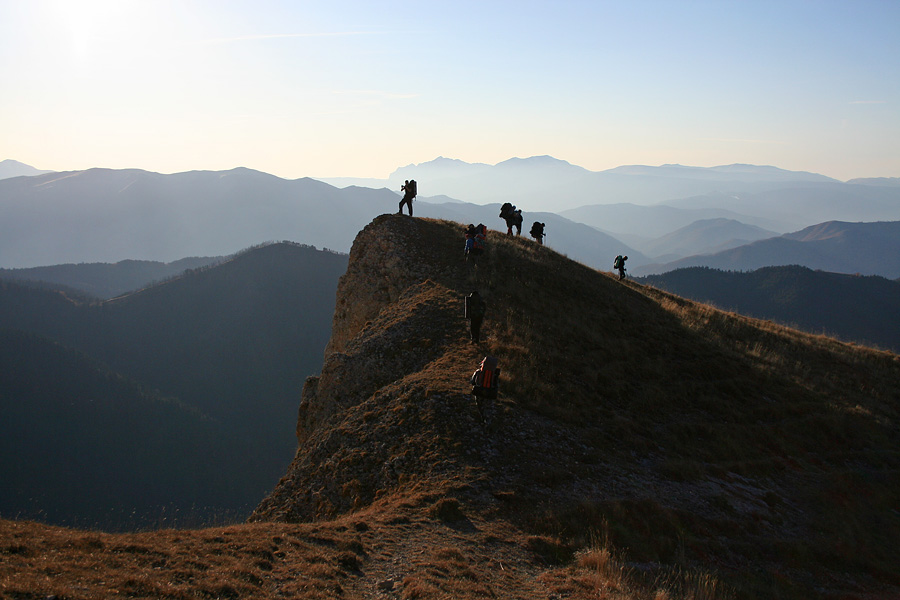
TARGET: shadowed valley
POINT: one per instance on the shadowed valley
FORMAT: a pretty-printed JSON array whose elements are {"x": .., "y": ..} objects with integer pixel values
[{"x": 222, "y": 352}]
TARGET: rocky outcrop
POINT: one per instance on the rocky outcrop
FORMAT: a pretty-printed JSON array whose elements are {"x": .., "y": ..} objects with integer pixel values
[
  {"x": 401, "y": 339},
  {"x": 396, "y": 320},
  {"x": 393, "y": 258},
  {"x": 388, "y": 256}
]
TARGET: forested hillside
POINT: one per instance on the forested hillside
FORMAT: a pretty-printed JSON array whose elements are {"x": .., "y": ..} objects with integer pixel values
[{"x": 233, "y": 342}]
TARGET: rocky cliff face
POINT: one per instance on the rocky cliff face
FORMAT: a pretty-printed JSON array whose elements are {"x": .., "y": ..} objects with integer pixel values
[
  {"x": 396, "y": 318},
  {"x": 391, "y": 270}
]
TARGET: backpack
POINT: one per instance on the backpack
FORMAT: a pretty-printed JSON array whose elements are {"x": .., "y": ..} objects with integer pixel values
[
  {"x": 475, "y": 306},
  {"x": 475, "y": 240},
  {"x": 618, "y": 263},
  {"x": 506, "y": 209},
  {"x": 486, "y": 380},
  {"x": 411, "y": 188},
  {"x": 537, "y": 230}
]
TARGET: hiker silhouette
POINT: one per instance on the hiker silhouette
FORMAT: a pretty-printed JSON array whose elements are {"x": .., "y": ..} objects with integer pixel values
[
  {"x": 409, "y": 189},
  {"x": 485, "y": 386},
  {"x": 619, "y": 264},
  {"x": 513, "y": 218},
  {"x": 537, "y": 232},
  {"x": 475, "y": 309},
  {"x": 475, "y": 240}
]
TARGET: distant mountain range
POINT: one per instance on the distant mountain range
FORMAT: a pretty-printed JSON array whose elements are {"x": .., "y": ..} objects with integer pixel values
[
  {"x": 863, "y": 309},
  {"x": 232, "y": 344},
  {"x": 108, "y": 280},
  {"x": 13, "y": 168},
  {"x": 855, "y": 248},
  {"x": 642, "y": 224},
  {"x": 545, "y": 183},
  {"x": 880, "y": 181},
  {"x": 106, "y": 216},
  {"x": 642, "y": 203},
  {"x": 102, "y": 215},
  {"x": 706, "y": 237}
]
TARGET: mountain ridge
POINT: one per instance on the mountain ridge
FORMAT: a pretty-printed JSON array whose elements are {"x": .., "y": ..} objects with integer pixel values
[
  {"x": 836, "y": 246},
  {"x": 853, "y": 308},
  {"x": 391, "y": 411},
  {"x": 103, "y": 215},
  {"x": 108, "y": 280}
]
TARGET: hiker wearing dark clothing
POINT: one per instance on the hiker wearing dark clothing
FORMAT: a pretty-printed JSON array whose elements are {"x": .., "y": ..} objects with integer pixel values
[
  {"x": 537, "y": 232},
  {"x": 475, "y": 240},
  {"x": 485, "y": 386},
  {"x": 409, "y": 193},
  {"x": 619, "y": 264},
  {"x": 475, "y": 309},
  {"x": 513, "y": 218}
]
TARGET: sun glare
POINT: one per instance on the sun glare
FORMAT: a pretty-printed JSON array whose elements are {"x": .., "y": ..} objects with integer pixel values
[{"x": 89, "y": 24}]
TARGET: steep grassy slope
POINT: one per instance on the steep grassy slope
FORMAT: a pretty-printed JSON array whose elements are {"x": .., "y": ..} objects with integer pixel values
[{"x": 644, "y": 446}]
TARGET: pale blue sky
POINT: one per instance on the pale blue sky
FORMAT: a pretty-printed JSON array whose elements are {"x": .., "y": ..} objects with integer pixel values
[{"x": 359, "y": 88}]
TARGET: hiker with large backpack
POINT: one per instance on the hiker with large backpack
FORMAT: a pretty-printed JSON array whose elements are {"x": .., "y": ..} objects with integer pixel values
[
  {"x": 537, "y": 232},
  {"x": 619, "y": 264},
  {"x": 409, "y": 193},
  {"x": 475, "y": 309},
  {"x": 485, "y": 386},
  {"x": 513, "y": 218},
  {"x": 476, "y": 238}
]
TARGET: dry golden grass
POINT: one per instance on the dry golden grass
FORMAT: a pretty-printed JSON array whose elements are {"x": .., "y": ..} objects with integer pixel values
[{"x": 398, "y": 548}]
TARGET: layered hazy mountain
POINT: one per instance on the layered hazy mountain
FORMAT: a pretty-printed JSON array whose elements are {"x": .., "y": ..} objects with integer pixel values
[
  {"x": 655, "y": 215},
  {"x": 549, "y": 184},
  {"x": 641, "y": 224},
  {"x": 104, "y": 215},
  {"x": 108, "y": 280},
  {"x": 855, "y": 248},
  {"x": 13, "y": 168},
  {"x": 706, "y": 237},
  {"x": 877, "y": 181},
  {"x": 639, "y": 204}
]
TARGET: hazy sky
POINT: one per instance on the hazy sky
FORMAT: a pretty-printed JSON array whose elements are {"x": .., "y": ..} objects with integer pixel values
[{"x": 359, "y": 88}]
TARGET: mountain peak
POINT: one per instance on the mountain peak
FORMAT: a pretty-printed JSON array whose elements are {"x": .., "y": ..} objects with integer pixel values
[{"x": 13, "y": 168}]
